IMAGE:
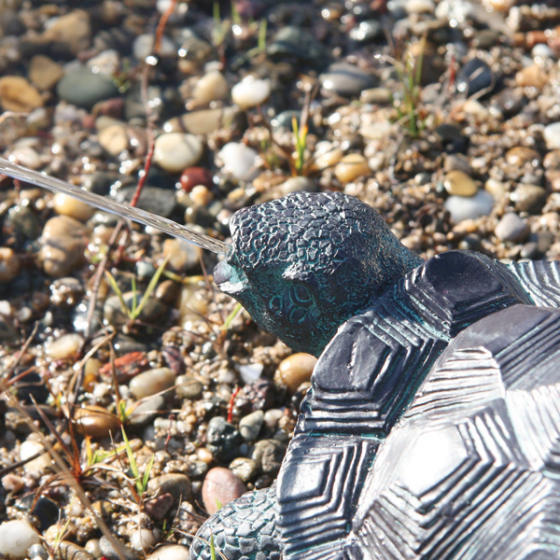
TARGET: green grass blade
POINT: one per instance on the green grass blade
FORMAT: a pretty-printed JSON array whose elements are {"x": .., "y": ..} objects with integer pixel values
[
  {"x": 262, "y": 35},
  {"x": 151, "y": 287},
  {"x": 130, "y": 455},
  {"x": 117, "y": 290},
  {"x": 146, "y": 476},
  {"x": 212, "y": 548}
]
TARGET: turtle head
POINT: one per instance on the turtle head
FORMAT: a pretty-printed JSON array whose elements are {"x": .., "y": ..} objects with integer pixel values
[{"x": 306, "y": 263}]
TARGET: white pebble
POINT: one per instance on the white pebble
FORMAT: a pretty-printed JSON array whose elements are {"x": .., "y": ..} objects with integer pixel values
[
  {"x": 106, "y": 62},
  {"x": 170, "y": 552},
  {"x": 175, "y": 151},
  {"x": 240, "y": 161},
  {"x": 210, "y": 87},
  {"x": 64, "y": 347},
  {"x": 16, "y": 537},
  {"x": 26, "y": 156},
  {"x": 251, "y": 372},
  {"x": 469, "y": 207},
  {"x": 250, "y": 92},
  {"x": 143, "y": 540},
  {"x": 420, "y": 6},
  {"x": 143, "y": 46},
  {"x": 552, "y": 136}
]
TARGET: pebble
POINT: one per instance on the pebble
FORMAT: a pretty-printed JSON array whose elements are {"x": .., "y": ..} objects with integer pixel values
[
  {"x": 92, "y": 546},
  {"x": 70, "y": 551},
  {"x": 176, "y": 484},
  {"x": 250, "y": 372},
  {"x": 158, "y": 201},
  {"x": 271, "y": 417},
  {"x": 83, "y": 88},
  {"x": 113, "y": 138},
  {"x": 18, "y": 95},
  {"x": 151, "y": 382},
  {"x": 551, "y": 136},
  {"x": 146, "y": 411},
  {"x": 420, "y": 6},
  {"x": 296, "y": 184},
  {"x": 326, "y": 155},
  {"x": 106, "y": 62},
  {"x": 351, "y": 167},
  {"x": 474, "y": 77},
  {"x": 268, "y": 454},
  {"x": 222, "y": 439},
  {"x": 240, "y": 161},
  {"x": 511, "y": 228},
  {"x": 71, "y": 31},
  {"x": 174, "y": 151},
  {"x": 96, "y": 422},
  {"x": 44, "y": 72},
  {"x": 9, "y": 264},
  {"x": 202, "y": 122},
  {"x": 211, "y": 87},
  {"x": 170, "y": 552},
  {"x": 110, "y": 553},
  {"x": 250, "y": 425},
  {"x": 345, "y": 79},
  {"x": 529, "y": 198},
  {"x": 520, "y": 155},
  {"x": 38, "y": 551},
  {"x": 532, "y": 76},
  {"x": 460, "y": 184},
  {"x": 366, "y": 31},
  {"x": 16, "y": 537},
  {"x": 192, "y": 305},
  {"x": 189, "y": 388},
  {"x": 65, "y": 205},
  {"x": 64, "y": 347},
  {"x": 552, "y": 160},
  {"x": 250, "y": 92},
  {"x": 143, "y": 46},
  {"x": 295, "y": 370},
  {"x": 182, "y": 255},
  {"x": 26, "y": 156},
  {"x": 220, "y": 487},
  {"x": 194, "y": 176},
  {"x": 63, "y": 244},
  {"x": 201, "y": 196},
  {"x": 469, "y": 207},
  {"x": 245, "y": 469},
  {"x": 143, "y": 540}
]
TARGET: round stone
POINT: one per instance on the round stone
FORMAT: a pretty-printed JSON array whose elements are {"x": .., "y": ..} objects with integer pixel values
[
  {"x": 151, "y": 382},
  {"x": 460, "y": 184},
  {"x": 69, "y": 206},
  {"x": 9, "y": 264},
  {"x": 532, "y": 76},
  {"x": 175, "y": 151},
  {"x": 170, "y": 552},
  {"x": 64, "y": 347},
  {"x": 44, "y": 72},
  {"x": 176, "y": 484},
  {"x": 243, "y": 468},
  {"x": 529, "y": 198},
  {"x": 211, "y": 87},
  {"x": 552, "y": 136},
  {"x": 220, "y": 487},
  {"x": 250, "y": 425},
  {"x": 521, "y": 155},
  {"x": 511, "y": 228},
  {"x": 16, "y": 537},
  {"x": 63, "y": 244},
  {"x": 189, "y": 387},
  {"x": 366, "y": 31},
  {"x": 351, "y": 167},
  {"x": 17, "y": 94},
  {"x": 475, "y": 77},
  {"x": 469, "y": 207},
  {"x": 114, "y": 139},
  {"x": 70, "y": 32},
  {"x": 295, "y": 370},
  {"x": 345, "y": 79},
  {"x": 240, "y": 161},
  {"x": 96, "y": 422},
  {"x": 194, "y": 176},
  {"x": 143, "y": 540},
  {"x": 250, "y": 92},
  {"x": 83, "y": 88},
  {"x": 420, "y": 6}
]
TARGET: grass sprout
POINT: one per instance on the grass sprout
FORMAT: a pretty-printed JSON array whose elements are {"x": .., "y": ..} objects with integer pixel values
[
  {"x": 140, "y": 482},
  {"x": 300, "y": 140}
]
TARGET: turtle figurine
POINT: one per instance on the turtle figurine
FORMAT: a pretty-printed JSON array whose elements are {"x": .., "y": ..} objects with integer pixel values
[{"x": 432, "y": 425}]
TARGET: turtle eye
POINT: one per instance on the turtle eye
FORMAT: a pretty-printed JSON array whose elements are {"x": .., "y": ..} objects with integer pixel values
[
  {"x": 275, "y": 304},
  {"x": 302, "y": 295}
]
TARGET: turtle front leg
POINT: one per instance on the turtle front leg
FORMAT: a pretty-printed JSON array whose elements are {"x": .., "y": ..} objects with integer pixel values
[{"x": 243, "y": 529}]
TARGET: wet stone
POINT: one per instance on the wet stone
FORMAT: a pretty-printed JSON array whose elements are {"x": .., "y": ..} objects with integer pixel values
[
  {"x": 18, "y": 95},
  {"x": 250, "y": 425},
  {"x": 189, "y": 387},
  {"x": 151, "y": 382},
  {"x": 175, "y": 151},
  {"x": 222, "y": 439},
  {"x": 474, "y": 77},
  {"x": 295, "y": 370},
  {"x": 176, "y": 484},
  {"x": 245, "y": 469},
  {"x": 83, "y": 88},
  {"x": 469, "y": 207},
  {"x": 96, "y": 422},
  {"x": 220, "y": 486},
  {"x": 529, "y": 198},
  {"x": 345, "y": 79},
  {"x": 460, "y": 184},
  {"x": 158, "y": 201},
  {"x": 511, "y": 228}
]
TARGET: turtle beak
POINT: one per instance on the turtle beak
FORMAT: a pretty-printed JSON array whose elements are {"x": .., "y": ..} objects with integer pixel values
[{"x": 228, "y": 279}]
